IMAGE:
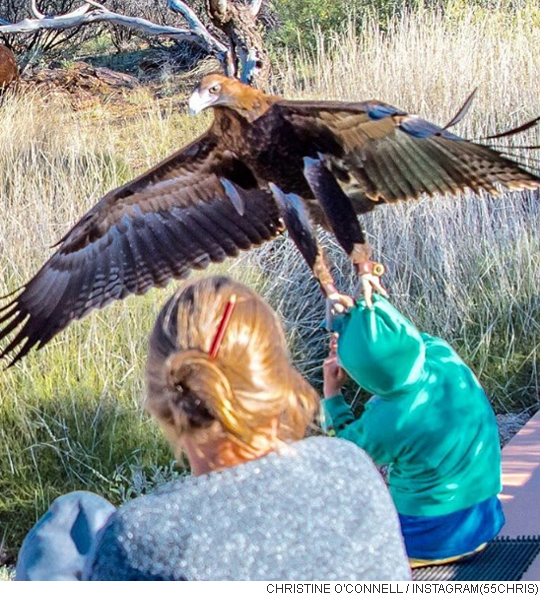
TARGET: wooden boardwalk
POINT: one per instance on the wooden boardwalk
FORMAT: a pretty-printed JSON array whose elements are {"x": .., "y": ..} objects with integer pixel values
[{"x": 521, "y": 487}]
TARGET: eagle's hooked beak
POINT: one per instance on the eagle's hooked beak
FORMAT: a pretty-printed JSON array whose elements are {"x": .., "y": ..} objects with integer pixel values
[{"x": 198, "y": 102}]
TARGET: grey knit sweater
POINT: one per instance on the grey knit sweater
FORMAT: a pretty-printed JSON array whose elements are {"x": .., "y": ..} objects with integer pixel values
[{"x": 316, "y": 511}]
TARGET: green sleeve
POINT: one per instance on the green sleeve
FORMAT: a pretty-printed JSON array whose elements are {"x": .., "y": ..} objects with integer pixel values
[
  {"x": 368, "y": 432},
  {"x": 336, "y": 413}
]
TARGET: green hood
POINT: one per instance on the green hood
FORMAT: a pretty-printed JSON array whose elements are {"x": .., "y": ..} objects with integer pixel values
[{"x": 381, "y": 349}]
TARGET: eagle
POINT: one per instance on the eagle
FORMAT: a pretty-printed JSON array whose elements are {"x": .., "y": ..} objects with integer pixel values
[{"x": 233, "y": 188}]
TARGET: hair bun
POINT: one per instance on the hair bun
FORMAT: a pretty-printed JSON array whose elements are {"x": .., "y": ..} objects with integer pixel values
[{"x": 203, "y": 392}]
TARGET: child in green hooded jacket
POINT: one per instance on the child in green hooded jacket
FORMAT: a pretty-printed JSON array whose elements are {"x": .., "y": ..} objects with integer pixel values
[{"x": 429, "y": 420}]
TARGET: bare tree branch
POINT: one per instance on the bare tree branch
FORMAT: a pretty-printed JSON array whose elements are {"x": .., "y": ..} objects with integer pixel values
[
  {"x": 35, "y": 10},
  {"x": 195, "y": 24},
  {"x": 85, "y": 7},
  {"x": 93, "y": 3},
  {"x": 92, "y": 12},
  {"x": 255, "y": 7},
  {"x": 197, "y": 27}
]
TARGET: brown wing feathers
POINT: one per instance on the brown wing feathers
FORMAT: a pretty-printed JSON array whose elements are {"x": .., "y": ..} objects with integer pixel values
[
  {"x": 139, "y": 251},
  {"x": 393, "y": 156}
]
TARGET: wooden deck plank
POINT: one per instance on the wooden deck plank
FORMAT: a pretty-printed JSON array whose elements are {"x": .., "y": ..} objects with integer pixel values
[{"x": 521, "y": 487}]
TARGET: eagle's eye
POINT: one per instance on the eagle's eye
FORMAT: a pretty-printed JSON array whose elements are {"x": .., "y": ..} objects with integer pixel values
[{"x": 214, "y": 89}]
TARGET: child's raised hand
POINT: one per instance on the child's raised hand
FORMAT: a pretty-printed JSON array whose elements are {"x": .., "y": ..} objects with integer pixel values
[{"x": 334, "y": 375}]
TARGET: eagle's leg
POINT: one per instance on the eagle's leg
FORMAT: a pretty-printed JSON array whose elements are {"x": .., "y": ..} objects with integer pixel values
[
  {"x": 344, "y": 223},
  {"x": 299, "y": 226}
]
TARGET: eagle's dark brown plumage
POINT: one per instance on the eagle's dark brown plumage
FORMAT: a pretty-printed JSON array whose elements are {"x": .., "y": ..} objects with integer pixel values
[{"x": 211, "y": 199}]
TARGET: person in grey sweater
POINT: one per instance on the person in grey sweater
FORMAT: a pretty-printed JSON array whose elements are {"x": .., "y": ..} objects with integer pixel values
[{"x": 263, "y": 502}]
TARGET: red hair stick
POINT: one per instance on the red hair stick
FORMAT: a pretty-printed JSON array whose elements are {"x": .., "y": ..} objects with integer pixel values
[{"x": 222, "y": 328}]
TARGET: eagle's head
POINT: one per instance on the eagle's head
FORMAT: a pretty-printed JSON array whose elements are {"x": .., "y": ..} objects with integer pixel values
[
  {"x": 213, "y": 90},
  {"x": 216, "y": 90}
]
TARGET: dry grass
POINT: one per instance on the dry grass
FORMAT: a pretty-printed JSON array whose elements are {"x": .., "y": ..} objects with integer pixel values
[{"x": 467, "y": 269}]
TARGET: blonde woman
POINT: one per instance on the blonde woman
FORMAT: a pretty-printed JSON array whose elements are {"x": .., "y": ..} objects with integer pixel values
[{"x": 263, "y": 502}]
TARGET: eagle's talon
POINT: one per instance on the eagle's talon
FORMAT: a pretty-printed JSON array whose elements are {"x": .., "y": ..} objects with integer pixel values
[
  {"x": 370, "y": 281},
  {"x": 336, "y": 304},
  {"x": 339, "y": 303},
  {"x": 369, "y": 284}
]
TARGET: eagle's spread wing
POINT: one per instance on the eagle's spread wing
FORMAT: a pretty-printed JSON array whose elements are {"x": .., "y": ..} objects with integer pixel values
[
  {"x": 201, "y": 205},
  {"x": 382, "y": 154}
]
